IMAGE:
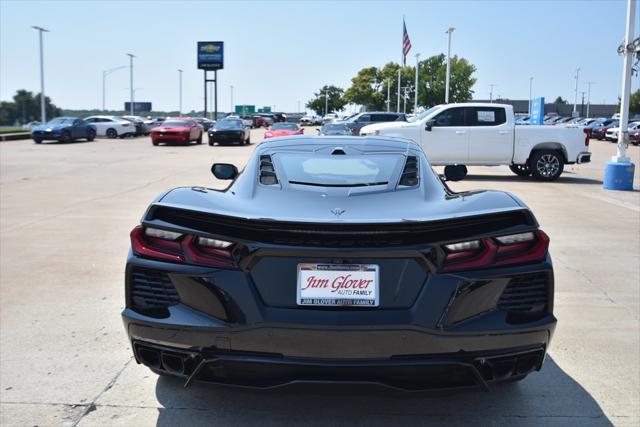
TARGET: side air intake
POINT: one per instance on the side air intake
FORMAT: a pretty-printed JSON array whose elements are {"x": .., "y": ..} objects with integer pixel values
[
  {"x": 409, "y": 176},
  {"x": 267, "y": 171}
]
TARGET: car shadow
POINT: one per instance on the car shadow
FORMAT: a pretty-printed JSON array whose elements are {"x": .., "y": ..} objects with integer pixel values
[
  {"x": 564, "y": 179},
  {"x": 548, "y": 397},
  {"x": 80, "y": 141},
  {"x": 177, "y": 144}
]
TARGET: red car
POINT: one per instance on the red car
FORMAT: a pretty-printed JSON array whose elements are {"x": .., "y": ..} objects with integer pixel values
[
  {"x": 283, "y": 129},
  {"x": 600, "y": 132},
  {"x": 177, "y": 129}
]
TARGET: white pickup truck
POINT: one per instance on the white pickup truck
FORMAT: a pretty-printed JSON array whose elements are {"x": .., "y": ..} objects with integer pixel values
[{"x": 457, "y": 135}]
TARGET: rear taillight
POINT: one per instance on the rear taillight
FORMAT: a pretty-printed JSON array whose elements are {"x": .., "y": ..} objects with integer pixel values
[
  {"x": 498, "y": 251},
  {"x": 181, "y": 248},
  {"x": 587, "y": 135}
]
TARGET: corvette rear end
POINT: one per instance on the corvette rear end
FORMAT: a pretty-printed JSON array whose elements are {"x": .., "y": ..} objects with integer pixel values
[{"x": 339, "y": 260}]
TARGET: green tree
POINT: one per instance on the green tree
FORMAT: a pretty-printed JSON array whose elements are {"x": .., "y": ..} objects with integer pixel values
[
  {"x": 335, "y": 102},
  {"x": 634, "y": 102},
  {"x": 25, "y": 108},
  {"x": 560, "y": 100},
  {"x": 369, "y": 87},
  {"x": 433, "y": 72}
]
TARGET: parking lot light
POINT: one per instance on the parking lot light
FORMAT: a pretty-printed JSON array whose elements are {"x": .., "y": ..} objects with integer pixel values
[
  {"x": 449, "y": 31},
  {"x": 179, "y": 91},
  {"x": 43, "y": 111},
  {"x": 575, "y": 99},
  {"x": 131, "y": 56}
]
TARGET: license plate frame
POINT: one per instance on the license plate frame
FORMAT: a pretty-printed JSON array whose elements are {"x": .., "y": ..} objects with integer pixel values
[{"x": 347, "y": 285}]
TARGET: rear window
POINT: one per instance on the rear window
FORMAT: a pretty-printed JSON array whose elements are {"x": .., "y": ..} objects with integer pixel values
[
  {"x": 339, "y": 170},
  {"x": 285, "y": 126}
]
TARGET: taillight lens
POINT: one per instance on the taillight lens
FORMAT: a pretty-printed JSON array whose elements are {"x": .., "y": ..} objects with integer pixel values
[
  {"x": 171, "y": 246},
  {"x": 587, "y": 135},
  {"x": 497, "y": 251}
]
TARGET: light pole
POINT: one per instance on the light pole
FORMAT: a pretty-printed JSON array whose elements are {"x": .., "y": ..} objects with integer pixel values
[
  {"x": 326, "y": 102},
  {"x": 179, "y": 92},
  {"x": 231, "y": 99},
  {"x": 131, "y": 56},
  {"x": 530, "y": 93},
  {"x": 575, "y": 99},
  {"x": 588, "y": 96},
  {"x": 415, "y": 101},
  {"x": 43, "y": 111},
  {"x": 105, "y": 73},
  {"x": 388, "y": 94},
  {"x": 618, "y": 174},
  {"x": 448, "y": 78},
  {"x": 491, "y": 93}
]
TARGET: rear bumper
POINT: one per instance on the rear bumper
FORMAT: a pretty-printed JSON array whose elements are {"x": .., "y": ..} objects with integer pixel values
[
  {"x": 415, "y": 373},
  {"x": 584, "y": 157}
]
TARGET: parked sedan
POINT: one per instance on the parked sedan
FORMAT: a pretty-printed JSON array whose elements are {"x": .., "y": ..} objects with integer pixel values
[
  {"x": 391, "y": 278},
  {"x": 283, "y": 129},
  {"x": 634, "y": 137},
  {"x": 361, "y": 120},
  {"x": 334, "y": 129},
  {"x": 63, "y": 129},
  {"x": 204, "y": 122},
  {"x": 230, "y": 131},
  {"x": 181, "y": 130},
  {"x": 600, "y": 132},
  {"x": 612, "y": 133},
  {"x": 140, "y": 126},
  {"x": 111, "y": 126}
]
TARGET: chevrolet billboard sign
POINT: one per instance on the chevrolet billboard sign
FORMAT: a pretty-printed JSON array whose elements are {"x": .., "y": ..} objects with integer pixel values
[{"x": 210, "y": 55}]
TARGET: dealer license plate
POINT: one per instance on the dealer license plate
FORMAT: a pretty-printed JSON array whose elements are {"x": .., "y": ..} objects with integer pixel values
[{"x": 338, "y": 285}]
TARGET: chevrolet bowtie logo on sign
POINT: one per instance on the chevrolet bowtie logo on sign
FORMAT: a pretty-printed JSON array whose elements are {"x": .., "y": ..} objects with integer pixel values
[{"x": 211, "y": 55}]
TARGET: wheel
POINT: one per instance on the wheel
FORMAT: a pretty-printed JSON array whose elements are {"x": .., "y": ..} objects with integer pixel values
[
  {"x": 248, "y": 140},
  {"x": 65, "y": 137},
  {"x": 154, "y": 142},
  {"x": 112, "y": 133},
  {"x": 91, "y": 135},
  {"x": 199, "y": 140},
  {"x": 547, "y": 165},
  {"x": 455, "y": 172},
  {"x": 37, "y": 140},
  {"x": 520, "y": 170},
  {"x": 211, "y": 143}
]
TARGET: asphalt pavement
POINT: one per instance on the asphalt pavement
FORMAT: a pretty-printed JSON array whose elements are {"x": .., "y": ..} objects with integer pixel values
[{"x": 66, "y": 211}]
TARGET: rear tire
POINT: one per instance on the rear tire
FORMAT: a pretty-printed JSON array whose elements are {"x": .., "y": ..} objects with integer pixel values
[
  {"x": 455, "y": 172},
  {"x": 520, "y": 170},
  {"x": 91, "y": 135},
  {"x": 199, "y": 140},
  {"x": 547, "y": 165},
  {"x": 111, "y": 133}
]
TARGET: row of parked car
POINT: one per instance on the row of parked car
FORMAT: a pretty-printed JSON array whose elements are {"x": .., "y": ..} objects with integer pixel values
[{"x": 67, "y": 129}]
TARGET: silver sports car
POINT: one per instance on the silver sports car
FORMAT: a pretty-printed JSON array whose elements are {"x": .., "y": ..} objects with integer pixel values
[{"x": 339, "y": 259}]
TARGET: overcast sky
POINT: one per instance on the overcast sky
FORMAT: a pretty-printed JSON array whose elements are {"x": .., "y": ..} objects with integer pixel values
[{"x": 279, "y": 53}]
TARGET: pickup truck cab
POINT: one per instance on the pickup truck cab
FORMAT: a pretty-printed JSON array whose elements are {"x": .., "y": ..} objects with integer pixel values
[{"x": 482, "y": 134}]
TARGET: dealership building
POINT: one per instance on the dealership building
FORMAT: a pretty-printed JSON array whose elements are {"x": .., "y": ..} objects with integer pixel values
[{"x": 595, "y": 110}]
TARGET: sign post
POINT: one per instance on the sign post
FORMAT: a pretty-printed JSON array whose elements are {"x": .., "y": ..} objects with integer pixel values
[{"x": 211, "y": 58}]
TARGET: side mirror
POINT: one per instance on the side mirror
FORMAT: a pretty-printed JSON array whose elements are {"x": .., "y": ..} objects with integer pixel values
[
  {"x": 224, "y": 170},
  {"x": 429, "y": 125}
]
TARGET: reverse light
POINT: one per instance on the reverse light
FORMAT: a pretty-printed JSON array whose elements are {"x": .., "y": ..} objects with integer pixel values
[
  {"x": 213, "y": 243},
  {"x": 463, "y": 246},
  {"x": 162, "y": 234},
  {"x": 516, "y": 238}
]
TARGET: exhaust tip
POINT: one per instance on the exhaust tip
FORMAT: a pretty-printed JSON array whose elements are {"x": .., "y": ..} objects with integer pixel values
[
  {"x": 173, "y": 364},
  {"x": 149, "y": 357}
]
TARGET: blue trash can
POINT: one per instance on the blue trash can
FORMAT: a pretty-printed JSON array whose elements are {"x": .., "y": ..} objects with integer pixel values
[{"x": 619, "y": 176}]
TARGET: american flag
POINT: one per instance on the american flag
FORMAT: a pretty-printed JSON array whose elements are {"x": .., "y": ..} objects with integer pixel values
[{"x": 406, "y": 43}]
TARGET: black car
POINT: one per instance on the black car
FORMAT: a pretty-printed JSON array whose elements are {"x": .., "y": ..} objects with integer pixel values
[
  {"x": 279, "y": 117},
  {"x": 204, "y": 122},
  {"x": 230, "y": 131},
  {"x": 357, "y": 122},
  {"x": 339, "y": 259}
]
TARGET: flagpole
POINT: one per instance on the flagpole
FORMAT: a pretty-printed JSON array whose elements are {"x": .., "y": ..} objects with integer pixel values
[{"x": 400, "y": 65}]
